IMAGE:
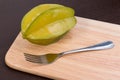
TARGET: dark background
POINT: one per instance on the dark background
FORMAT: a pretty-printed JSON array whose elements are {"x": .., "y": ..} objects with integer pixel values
[{"x": 12, "y": 11}]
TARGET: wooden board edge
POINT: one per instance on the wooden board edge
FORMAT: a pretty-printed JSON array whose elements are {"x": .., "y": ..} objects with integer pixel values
[
  {"x": 97, "y": 21},
  {"x": 10, "y": 65}
]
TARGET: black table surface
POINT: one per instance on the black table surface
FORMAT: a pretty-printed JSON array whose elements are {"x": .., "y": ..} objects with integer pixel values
[{"x": 12, "y": 11}]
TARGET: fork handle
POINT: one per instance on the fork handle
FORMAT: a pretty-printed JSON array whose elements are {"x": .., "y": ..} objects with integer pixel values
[{"x": 100, "y": 46}]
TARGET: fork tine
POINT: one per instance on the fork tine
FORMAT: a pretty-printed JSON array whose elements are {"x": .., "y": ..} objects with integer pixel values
[
  {"x": 36, "y": 58},
  {"x": 32, "y": 58}
]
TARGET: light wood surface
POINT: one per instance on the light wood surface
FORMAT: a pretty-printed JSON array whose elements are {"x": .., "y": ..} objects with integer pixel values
[{"x": 95, "y": 65}]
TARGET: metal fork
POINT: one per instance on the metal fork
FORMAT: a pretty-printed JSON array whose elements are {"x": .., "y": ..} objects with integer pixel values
[{"x": 50, "y": 57}]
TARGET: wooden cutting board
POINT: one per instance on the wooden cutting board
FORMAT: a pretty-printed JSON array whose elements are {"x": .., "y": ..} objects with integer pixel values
[{"x": 95, "y": 65}]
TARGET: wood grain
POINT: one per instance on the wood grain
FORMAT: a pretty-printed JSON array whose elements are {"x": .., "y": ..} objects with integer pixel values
[{"x": 96, "y": 65}]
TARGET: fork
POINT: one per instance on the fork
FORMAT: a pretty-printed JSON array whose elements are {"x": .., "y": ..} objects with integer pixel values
[{"x": 51, "y": 57}]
